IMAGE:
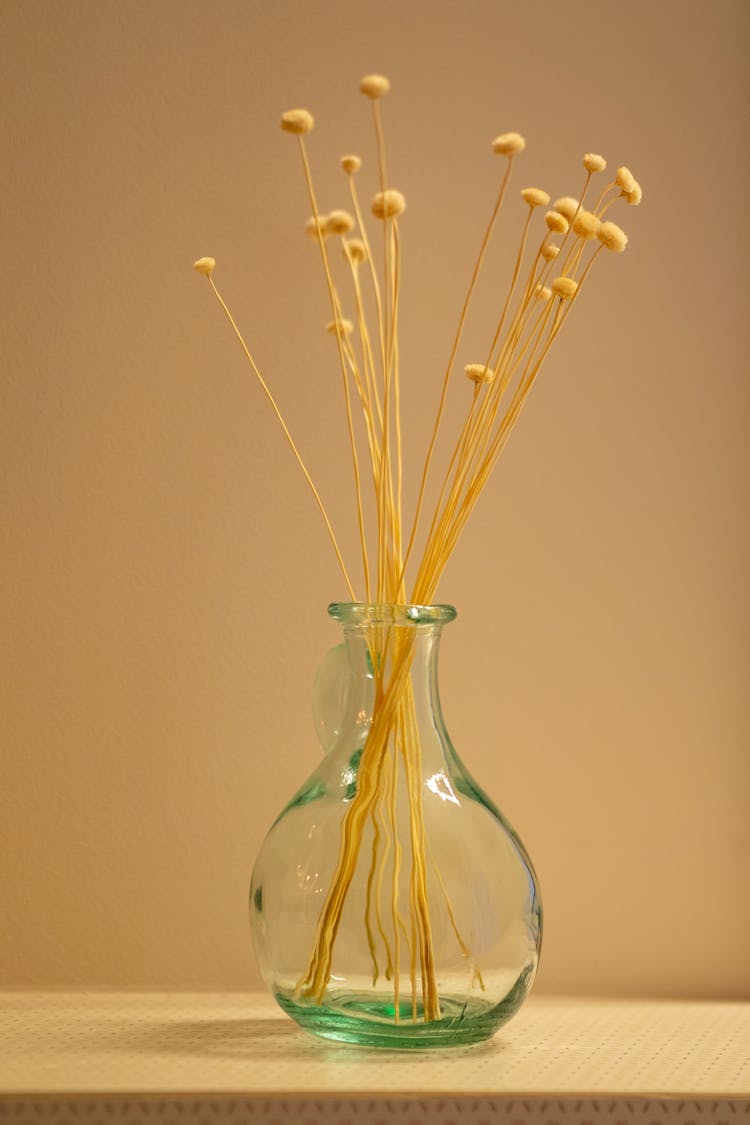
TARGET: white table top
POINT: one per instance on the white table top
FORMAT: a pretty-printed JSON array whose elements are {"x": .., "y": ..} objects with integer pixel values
[{"x": 240, "y": 1044}]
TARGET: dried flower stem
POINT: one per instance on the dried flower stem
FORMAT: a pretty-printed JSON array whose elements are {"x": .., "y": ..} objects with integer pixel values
[
  {"x": 451, "y": 360},
  {"x": 475, "y": 420},
  {"x": 288, "y": 436},
  {"x": 384, "y": 485},
  {"x": 461, "y": 512},
  {"x": 390, "y": 546},
  {"x": 349, "y": 419},
  {"x": 397, "y": 592}
]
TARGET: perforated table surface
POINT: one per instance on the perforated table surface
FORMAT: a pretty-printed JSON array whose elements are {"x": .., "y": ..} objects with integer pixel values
[{"x": 130, "y": 1057}]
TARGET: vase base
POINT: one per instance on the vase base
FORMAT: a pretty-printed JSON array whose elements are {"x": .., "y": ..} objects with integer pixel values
[{"x": 370, "y": 1020}]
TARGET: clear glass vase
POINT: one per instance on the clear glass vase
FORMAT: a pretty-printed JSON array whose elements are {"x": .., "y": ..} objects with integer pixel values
[{"x": 391, "y": 903}]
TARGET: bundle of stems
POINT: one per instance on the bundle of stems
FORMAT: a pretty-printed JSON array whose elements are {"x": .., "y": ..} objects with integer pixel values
[{"x": 548, "y": 275}]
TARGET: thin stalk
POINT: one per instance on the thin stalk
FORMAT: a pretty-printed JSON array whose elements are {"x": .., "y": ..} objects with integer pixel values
[
  {"x": 396, "y": 261},
  {"x": 347, "y": 398},
  {"x": 451, "y": 359},
  {"x": 473, "y": 424},
  {"x": 289, "y": 438}
]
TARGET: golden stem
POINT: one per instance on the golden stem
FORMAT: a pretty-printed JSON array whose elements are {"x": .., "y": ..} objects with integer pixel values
[
  {"x": 347, "y": 398},
  {"x": 452, "y": 357},
  {"x": 476, "y": 423},
  {"x": 396, "y": 594},
  {"x": 288, "y": 436}
]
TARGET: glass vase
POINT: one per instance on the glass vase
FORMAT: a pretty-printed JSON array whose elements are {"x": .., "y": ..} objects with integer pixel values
[{"x": 391, "y": 903}]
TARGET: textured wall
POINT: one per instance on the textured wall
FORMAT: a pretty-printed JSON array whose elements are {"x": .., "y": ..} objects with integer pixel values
[{"x": 165, "y": 574}]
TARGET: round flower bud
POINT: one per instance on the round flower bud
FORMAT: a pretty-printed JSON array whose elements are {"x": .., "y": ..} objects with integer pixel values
[
  {"x": 625, "y": 179},
  {"x": 297, "y": 121},
  {"x": 340, "y": 222},
  {"x": 317, "y": 228},
  {"x": 205, "y": 266},
  {"x": 567, "y": 206},
  {"x": 387, "y": 204},
  {"x": 592, "y": 162},
  {"x": 543, "y": 292},
  {"x": 351, "y": 164},
  {"x": 354, "y": 250},
  {"x": 374, "y": 86},
  {"x": 550, "y": 251},
  {"x": 564, "y": 287},
  {"x": 508, "y": 144},
  {"x": 556, "y": 222},
  {"x": 345, "y": 327},
  {"x": 586, "y": 224},
  {"x": 613, "y": 237},
  {"x": 635, "y": 195},
  {"x": 479, "y": 373},
  {"x": 535, "y": 197}
]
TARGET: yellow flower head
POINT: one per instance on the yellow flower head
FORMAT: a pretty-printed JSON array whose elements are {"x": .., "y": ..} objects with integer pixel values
[
  {"x": 374, "y": 86},
  {"x": 625, "y": 179},
  {"x": 351, "y": 164},
  {"x": 205, "y": 266},
  {"x": 635, "y": 195},
  {"x": 586, "y": 224},
  {"x": 387, "y": 204},
  {"x": 564, "y": 287},
  {"x": 479, "y": 373},
  {"x": 508, "y": 144},
  {"x": 297, "y": 121},
  {"x": 593, "y": 162},
  {"x": 543, "y": 292},
  {"x": 550, "y": 251},
  {"x": 535, "y": 197},
  {"x": 339, "y": 222},
  {"x": 556, "y": 222},
  {"x": 613, "y": 237},
  {"x": 343, "y": 326},
  {"x": 567, "y": 206},
  {"x": 317, "y": 228},
  {"x": 354, "y": 250}
]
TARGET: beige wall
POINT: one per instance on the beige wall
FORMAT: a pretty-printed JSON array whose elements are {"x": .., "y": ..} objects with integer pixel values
[{"x": 165, "y": 574}]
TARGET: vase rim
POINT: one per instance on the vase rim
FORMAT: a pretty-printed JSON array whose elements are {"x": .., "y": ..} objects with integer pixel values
[{"x": 373, "y": 613}]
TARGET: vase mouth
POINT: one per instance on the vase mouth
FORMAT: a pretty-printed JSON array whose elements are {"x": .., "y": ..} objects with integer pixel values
[{"x": 372, "y": 613}]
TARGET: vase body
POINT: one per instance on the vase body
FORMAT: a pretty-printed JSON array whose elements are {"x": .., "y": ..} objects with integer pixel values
[{"x": 391, "y": 903}]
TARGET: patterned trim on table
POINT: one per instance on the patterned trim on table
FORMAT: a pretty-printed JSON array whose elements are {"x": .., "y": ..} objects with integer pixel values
[{"x": 403, "y": 1110}]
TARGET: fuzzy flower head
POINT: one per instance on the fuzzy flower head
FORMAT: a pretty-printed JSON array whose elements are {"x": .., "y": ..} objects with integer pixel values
[
  {"x": 479, "y": 373},
  {"x": 388, "y": 204},
  {"x": 586, "y": 225},
  {"x": 205, "y": 266},
  {"x": 593, "y": 162},
  {"x": 613, "y": 237},
  {"x": 543, "y": 292},
  {"x": 374, "y": 86},
  {"x": 317, "y": 228},
  {"x": 564, "y": 287},
  {"x": 297, "y": 121},
  {"x": 550, "y": 251},
  {"x": 635, "y": 195},
  {"x": 625, "y": 179},
  {"x": 351, "y": 163},
  {"x": 508, "y": 144},
  {"x": 339, "y": 222},
  {"x": 342, "y": 326},
  {"x": 556, "y": 222},
  {"x": 567, "y": 206},
  {"x": 354, "y": 249},
  {"x": 535, "y": 197}
]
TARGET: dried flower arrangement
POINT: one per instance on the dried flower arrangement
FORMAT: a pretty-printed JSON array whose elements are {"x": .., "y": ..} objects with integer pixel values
[{"x": 546, "y": 281}]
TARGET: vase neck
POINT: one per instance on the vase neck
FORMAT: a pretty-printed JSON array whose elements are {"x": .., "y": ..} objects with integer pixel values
[{"x": 396, "y": 645}]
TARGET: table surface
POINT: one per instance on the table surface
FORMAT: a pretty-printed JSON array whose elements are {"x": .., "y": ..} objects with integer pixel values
[{"x": 178, "y": 1043}]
